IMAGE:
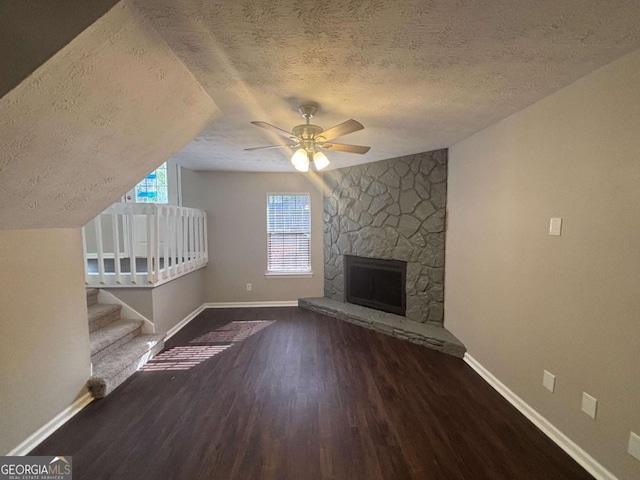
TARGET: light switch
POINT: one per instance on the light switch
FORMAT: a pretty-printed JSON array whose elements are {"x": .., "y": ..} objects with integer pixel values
[
  {"x": 555, "y": 226},
  {"x": 589, "y": 404},
  {"x": 634, "y": 445},
  {"x": 549, "y": 381}
]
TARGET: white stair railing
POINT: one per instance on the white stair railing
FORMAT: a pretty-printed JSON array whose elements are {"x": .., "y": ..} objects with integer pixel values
[{"x": 143, "y": 245}]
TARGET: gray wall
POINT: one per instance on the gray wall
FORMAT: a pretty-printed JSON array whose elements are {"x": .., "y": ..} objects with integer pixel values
[
  {"x": 173, "y": 301},
  {"x": 44, "y": 345},
  {"x": 140, "y": 299},
  {"x": 395, "y": 210},
  {"x": 167, "y": 304},
  {"x": 523, "y": 301},
  {"x": 236, "y": 205}
]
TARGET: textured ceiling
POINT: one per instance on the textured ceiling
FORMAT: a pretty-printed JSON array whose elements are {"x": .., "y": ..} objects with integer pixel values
[
  {"x": 33, "y": 31},
  {"x": 95, "y": 118},
  {"x": 419, "y": 74}
]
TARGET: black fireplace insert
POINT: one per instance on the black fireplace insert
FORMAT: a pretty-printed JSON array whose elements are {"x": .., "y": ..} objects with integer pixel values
[{"x": 376, "y": 283}]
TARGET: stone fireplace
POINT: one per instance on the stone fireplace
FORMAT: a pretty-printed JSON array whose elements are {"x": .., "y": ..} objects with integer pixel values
[
  {"x": 390, "y": 210},
  {"x": 388, "y": 213}
]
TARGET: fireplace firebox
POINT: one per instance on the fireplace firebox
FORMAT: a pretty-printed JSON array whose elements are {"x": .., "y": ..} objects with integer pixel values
[{"x": 376, "y": 283}]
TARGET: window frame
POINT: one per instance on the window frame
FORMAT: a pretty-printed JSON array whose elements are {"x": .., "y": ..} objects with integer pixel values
[
  {"x": 285, "y": 274},
  {"x": 174, "y": 186}
]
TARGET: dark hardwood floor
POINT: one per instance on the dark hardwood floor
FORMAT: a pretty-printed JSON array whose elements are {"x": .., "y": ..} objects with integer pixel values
[{"x": 304, "y": 397}]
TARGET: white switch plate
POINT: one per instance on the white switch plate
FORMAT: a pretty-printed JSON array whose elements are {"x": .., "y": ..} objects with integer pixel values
[
  {"x": 589, "y": 404},
  {"x": 248, "y": 287},
  {"x": 549, "y": 381},
  {"x": 634, "y": 445},
  {"x": 555, "y": 226}
]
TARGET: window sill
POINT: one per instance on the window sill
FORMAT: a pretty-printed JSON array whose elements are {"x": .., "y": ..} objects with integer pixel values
[{"x": 288, "y": 274}]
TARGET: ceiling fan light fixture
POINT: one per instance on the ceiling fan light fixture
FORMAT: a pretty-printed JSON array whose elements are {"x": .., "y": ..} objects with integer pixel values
[
  {"x": 320, "y": 160},
  {"x": 311, "y": 137},
  {"x": 300, "y": 160}
]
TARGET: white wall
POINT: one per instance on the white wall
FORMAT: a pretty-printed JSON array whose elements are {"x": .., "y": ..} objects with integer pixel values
[
  {"x": 44, "y": 344},
  {"x": 523, "y": 301},
  {"x": 236, "y": 207}
]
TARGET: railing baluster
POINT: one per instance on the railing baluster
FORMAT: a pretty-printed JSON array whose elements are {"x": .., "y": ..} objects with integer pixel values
[
  {"x": 178, "y": 227},
  {"x": 179, "y": 241},
  {"x": 200, "y": 240},
  {"x": 172, "y": 247},
  {"x": 206, "y": 237},
  {"x": 156, "y": 227},
  {"x": 132, "y": 243},
  {"x": 185, "y": 241},
  {"x": 165, "y": 273},
  {"x": 115, "y": 230},
  {"x": 98, "y": 227},
  {"x": 192, "y": 241},
  {"x": 150, "y": 244},
  {"x": 87, "y": 279},
  {"x": 195, "y": 240}
]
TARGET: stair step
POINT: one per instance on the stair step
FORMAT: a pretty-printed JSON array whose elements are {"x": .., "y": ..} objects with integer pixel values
[
  {"x": 92, "y": 296},
  {"x": 109, "y": 338},
  {"x": 101, "y": 315},
  {"x": 113, "y": 369}
]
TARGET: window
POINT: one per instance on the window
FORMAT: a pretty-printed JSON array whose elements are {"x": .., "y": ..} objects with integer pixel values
[
  {"x": 288, "y": 233},
  {"x": 154, "y": 188}
]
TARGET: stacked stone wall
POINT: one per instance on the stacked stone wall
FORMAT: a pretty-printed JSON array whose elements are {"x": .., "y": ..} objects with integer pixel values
[{"x": 392, "y": 209}]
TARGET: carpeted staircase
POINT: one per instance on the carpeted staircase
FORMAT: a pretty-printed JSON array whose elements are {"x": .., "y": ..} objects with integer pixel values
[{"x": 118, "y": 347}]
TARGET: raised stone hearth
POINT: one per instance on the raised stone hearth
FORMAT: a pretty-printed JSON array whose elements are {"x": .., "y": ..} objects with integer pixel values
[{"x": 431, "y": 336}]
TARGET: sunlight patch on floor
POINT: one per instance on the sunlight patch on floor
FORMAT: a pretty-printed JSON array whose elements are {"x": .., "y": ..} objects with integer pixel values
[
  {"x": 209, "y": 345},
  {"x": 234, "y": 332},
  {"x": 183, "y": 358}
]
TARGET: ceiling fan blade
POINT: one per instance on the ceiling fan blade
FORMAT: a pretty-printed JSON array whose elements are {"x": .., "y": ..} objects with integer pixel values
[
  {"x": 274, "y": 129},
  {"x": 290, "y": 145},
  {"x": 344, "y": 128},
  {"x": 343, "y": 147}
]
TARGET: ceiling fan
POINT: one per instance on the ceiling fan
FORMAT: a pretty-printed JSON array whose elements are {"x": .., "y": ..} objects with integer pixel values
[{"x": 310, "y": 138}]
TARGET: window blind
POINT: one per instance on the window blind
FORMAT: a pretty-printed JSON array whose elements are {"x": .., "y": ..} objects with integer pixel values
[{"x": 288, "y": 233}]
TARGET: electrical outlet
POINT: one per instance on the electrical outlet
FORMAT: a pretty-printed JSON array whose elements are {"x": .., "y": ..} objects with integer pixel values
[
  {"x": 589, "y": 404},
  {"x": 634, "y": 445},
  {"x": 549, "y": 381},
  {"x": 248, "y": 287}
]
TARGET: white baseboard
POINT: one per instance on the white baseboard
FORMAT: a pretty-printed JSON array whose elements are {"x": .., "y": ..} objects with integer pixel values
[
  {"x": 183, "y": 323},
  {"x": 51, "y": 426},
  {"x": 559, "y": 438},
  {"x": 284, "y": 303}
]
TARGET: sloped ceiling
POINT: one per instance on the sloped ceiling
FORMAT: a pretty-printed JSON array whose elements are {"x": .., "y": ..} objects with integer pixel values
[
  {"x": 92, "y": 121},
  {"x": 419, "y": 74}
]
